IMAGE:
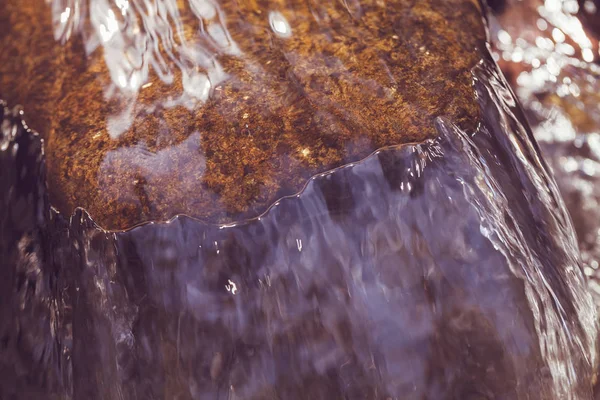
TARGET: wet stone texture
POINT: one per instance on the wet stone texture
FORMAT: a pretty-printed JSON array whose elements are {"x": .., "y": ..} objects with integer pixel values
[
  {"x": 446, "y": 269},
  {"x": 218, "y": 111}
]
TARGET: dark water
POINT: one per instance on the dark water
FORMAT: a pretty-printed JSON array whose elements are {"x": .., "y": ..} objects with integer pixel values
[{"x": 446, "y": 270}]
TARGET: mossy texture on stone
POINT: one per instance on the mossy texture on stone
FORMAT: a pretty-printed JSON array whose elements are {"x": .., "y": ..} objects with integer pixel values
[{"x": 352, "y": 77}]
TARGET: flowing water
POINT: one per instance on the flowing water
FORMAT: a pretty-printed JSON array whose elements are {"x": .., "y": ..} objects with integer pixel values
[
  {"x": 549, "y": 50},
  {"x": 447, "y": 269}
]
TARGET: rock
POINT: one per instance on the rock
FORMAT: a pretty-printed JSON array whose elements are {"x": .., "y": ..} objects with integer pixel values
[{"x": 225, "y": 115}]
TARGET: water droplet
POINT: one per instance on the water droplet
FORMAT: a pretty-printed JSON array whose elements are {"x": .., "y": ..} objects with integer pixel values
[{"x": 280, "y": 25}]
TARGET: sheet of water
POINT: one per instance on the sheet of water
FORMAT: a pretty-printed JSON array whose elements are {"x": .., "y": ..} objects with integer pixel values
[{"x": 443, "y": 270}]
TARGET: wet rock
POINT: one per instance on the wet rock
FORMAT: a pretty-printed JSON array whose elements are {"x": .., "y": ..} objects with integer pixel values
[
  {"x": 443, "y": 269},
  {"x": 214, "y": 111}
]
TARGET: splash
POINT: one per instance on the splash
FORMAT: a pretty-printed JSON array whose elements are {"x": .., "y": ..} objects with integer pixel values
[{"x": 140, "y": 36}]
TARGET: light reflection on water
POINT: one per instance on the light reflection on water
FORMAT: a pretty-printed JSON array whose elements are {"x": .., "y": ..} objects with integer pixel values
[
  {"x": 446, "y": 269},
  {"x": 139, "y": 37},
  {"x": 550, "y": 63}
]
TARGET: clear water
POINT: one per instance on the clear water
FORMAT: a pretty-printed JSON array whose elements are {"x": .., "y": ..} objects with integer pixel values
[
  {"x": 444, "y": 270},
  {"x": 550, "y": 50}
]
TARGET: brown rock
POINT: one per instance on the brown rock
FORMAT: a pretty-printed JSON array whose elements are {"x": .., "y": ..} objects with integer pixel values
[{"x": 264, "y": 95}]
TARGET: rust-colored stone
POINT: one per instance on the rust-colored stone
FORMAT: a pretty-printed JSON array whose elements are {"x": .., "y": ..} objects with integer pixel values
[{"x": 351, "y": 78}]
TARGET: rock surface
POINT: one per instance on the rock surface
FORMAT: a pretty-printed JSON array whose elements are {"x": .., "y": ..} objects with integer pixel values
[{"x": 218, "y": 111}]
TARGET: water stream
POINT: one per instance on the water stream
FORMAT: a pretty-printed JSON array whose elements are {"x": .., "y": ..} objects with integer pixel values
[{"x": 447, "y": 269}]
